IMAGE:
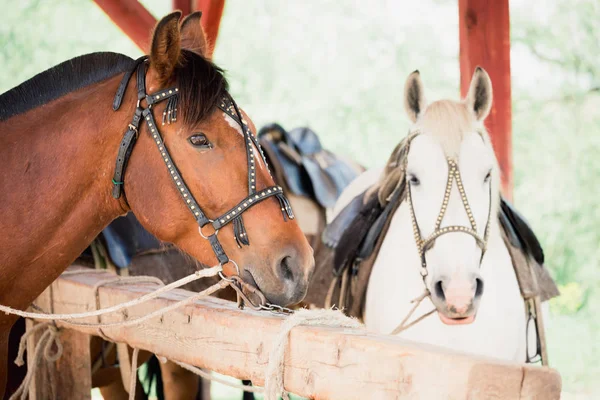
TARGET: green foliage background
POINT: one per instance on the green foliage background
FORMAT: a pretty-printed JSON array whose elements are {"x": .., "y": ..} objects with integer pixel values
[{"x": 340, "y": 66}]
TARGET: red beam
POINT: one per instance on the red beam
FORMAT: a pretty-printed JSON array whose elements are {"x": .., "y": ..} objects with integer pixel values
[
  {"x": 132, "y": 18},
  {"x": 212, "y": 11},
  {"x": 485, "y": 40},
  {"x": 185, "y": 6}
]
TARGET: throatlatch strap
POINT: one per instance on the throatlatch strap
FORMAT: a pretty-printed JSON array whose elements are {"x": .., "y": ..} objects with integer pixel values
[
  {"x": 124, "y": 82},
  {"x": 125, "y": 150}
]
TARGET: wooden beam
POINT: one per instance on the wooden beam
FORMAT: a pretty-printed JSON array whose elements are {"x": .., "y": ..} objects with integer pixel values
[
  {"x": 324, "y": 363},
  {"x": 185, "y": 6},
  {"x": 212, "y": 11},
  {"x": 132, "y": 18},
  {"x": 484, "y": 29}
]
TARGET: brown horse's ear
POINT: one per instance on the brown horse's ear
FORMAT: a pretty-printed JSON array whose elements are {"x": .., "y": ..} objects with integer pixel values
[
  {"x": 166, "y": 46},
  {"x": 193, "y": 37},
  {"x": 479, "y": 98},
  {"x": 414, "y": 96}
]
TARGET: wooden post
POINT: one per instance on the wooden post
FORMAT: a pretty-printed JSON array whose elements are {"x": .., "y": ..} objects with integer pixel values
[
  {"x": 70, "y": 377},
  {"x": 137, "y": 22},
  {"x": 484, "y": 29},
  {"x": 185, "y": 6},
  {"x": 212, "y": 11},
  {"x": 132, "y": 18}
]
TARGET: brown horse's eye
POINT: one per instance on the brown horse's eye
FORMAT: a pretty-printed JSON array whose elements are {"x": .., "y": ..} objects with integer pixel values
[{"x": 200, "y": 140}]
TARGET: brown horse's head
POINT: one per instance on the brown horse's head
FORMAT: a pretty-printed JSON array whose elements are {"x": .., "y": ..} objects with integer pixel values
[{"x": 208, "y": 149}]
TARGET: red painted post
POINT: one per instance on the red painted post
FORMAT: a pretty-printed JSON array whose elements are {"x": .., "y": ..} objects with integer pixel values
[
  {"x": 484, "y": 27},
  {"x": 212, "y": 11},
  {"x": 185, "y": 6},
  {"x": 132, "y": 18}
]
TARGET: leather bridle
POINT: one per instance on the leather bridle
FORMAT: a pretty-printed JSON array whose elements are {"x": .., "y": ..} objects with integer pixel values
[
  {"x": 228, "y": 106},
  {"x": 425, "y": 244}
]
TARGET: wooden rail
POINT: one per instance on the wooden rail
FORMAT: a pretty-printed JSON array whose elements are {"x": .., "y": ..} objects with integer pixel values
[{"x": 323, "y": 363}]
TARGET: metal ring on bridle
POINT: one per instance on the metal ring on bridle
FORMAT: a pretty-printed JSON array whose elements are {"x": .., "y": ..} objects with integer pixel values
[
  {"x": 237, "y": 268},
  {"x": 216, "y": 232}
]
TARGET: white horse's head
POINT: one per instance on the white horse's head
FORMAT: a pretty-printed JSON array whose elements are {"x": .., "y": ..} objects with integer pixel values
[{"x": 451, "y": 179}]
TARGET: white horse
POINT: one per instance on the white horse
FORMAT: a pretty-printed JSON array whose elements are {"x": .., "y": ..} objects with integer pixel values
[{"x": 477, "y": 299}]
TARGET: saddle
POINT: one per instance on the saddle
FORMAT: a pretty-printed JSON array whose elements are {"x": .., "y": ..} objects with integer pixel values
[{"x": 303, "y": 167}]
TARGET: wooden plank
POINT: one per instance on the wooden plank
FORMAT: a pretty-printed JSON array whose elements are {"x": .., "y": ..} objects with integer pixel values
[
  {"x": 484, "y": 29},
  {"x": 324, "y": 363},
  {"x": 185, "y": 6},
  {"x": 70, "y": 377},
  {"x": 132, "y": 18},
  {"x": 212, "y": 11}
]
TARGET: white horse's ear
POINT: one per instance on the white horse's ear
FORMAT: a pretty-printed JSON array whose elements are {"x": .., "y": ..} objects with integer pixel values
[
  {"x": 414, "y": 96},
  {"x": 479, "y": 98}
]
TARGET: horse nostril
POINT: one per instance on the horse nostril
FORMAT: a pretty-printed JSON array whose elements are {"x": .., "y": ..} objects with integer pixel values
[
  {"x": 286, "y": 269},
  {"x": 478, "y": 287},
  {"x": 439, "y": 291}
]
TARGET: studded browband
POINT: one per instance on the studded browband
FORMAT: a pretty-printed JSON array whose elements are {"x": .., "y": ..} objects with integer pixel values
[
  {"x": 228, "y": 106},
  {"x": 424, "y": 244}
]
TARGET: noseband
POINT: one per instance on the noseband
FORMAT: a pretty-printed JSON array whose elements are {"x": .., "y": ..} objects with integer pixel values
[
  {"x": 228, "y": 106},
  {"x": 425, "y": 244}
]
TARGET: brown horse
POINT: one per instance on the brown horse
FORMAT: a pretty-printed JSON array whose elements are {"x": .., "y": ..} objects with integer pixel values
[{"x": 59, "y": 138}]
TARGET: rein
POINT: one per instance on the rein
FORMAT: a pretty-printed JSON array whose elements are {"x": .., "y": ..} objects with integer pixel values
[{"x": 234, "y": 214}]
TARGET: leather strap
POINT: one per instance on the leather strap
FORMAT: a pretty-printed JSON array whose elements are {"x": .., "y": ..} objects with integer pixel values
[
  {"x": 125, "y": 150},
  {"x": 118, "y": 100},
  {"x": 245, "y": 204},
  {"x": 160, "y": 96}
]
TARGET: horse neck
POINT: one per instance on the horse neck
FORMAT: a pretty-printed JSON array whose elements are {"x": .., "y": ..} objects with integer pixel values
[{"x": 56, "y": 189}]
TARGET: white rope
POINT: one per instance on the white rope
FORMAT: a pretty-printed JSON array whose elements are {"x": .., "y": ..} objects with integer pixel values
[
  {"x": 133, "y": 381},
  {"x": 274, "y": 388},
  {"x": 403, "y": 326},
  {"x": 42, "y": 349},
  {"x": 149, "y": 296},
  {"x": 209, "y": 377},
  {"x": 50, "y": 337},
  {"x": 128, "y": 322},
  {"x": 274, "y": 373}
]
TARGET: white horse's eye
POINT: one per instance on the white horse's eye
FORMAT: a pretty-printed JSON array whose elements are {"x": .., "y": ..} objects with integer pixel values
[
  {"x": 414, "y": 181},
  {"x": 488, "y": 177}
]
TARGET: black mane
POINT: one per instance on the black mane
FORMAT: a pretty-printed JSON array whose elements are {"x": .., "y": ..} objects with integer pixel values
[
  {"x": 201, "y": 83},
  {"x": 64, "y": 78}
]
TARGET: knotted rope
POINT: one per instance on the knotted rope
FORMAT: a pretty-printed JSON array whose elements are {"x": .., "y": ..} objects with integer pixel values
[
  {"x": 43, "y": 348},
  {"x": 274, "y": 374},
  {"x": 274, "y": 388}
]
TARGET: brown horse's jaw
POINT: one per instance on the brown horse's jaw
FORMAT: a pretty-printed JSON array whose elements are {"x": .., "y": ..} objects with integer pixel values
[{"x": 456, "y": 321}]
